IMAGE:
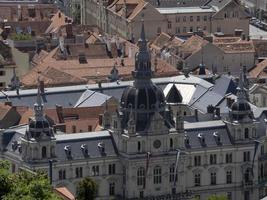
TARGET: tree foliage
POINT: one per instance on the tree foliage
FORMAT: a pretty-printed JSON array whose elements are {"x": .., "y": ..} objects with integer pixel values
[
  {"x": 24, "y": 185},
  {"x": 86, "y": 189},
  {"x": 217, "y": 197}
]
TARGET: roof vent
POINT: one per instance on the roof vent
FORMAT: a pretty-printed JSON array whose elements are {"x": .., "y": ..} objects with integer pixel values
[
  {"x": 68, "y": 151},
  {"x": 84, "y": 149}
]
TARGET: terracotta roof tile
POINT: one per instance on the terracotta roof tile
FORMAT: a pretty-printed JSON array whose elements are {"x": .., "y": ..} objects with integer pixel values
[
  {"x": 65, "y": 193},
  {"x": 260, "y": 70}
]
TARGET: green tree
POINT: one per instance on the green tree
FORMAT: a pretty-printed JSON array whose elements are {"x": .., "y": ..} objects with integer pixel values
[
  {"x": 217, "y": 197},
  {"x": 86, "y": 189},
  {"x": 5, "y": 179},
  {"x": 24, "y": 185}
]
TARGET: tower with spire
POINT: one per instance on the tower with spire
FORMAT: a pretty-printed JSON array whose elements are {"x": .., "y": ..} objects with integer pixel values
[
  {"x": 241, "y": 122},
  {"x": 146, "y": 124},
  {"x": 39, "y": 141}
]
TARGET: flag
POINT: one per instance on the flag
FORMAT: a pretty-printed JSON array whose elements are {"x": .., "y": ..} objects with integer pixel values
[
  {"x": 176, "y": 166},
  {"x": 255, "y": 151}
]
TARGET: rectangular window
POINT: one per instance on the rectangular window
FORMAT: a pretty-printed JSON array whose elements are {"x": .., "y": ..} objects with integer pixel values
[
  {"x": 197, "y": 160},
  {"x": 95, "y": 170},
  {"x": 111, "y": 169},
  {"x": 184, "y": 19},
  {"x": 205, "y": 18},
  {"x": 62, "y": 174},
  {"x": 73, "y": 129},
  {"x": 228, "y": 158},
  {"x": 197, "y": 180},
  {"x": 204, "y": 28},
  {"x": 2, "y": 73},
  {"x": 177, "y": 30},
  {"x": 213, "y": 159},
  {"x": 213, "y": 178},
  {"x": 198, "y": 18},
  {"x": 191, "y": 18},
  {"x": 2, "y": 84},
  {"x": 184, "y": 29},
  {"x": 229, "y": 195},
  {"x": 191, "y": 29},
  {"x": 177, "y": 19},
  {"x": 229, "y": 177},
  {"x": 79, "y": 172},
  {"x": 169, "y": 24},
  {"x": 246, "y": 156},
  {"x": 157, "y": 175},
  {"x": 89, "y": 128},
  {"x": 112, "y": 189}
]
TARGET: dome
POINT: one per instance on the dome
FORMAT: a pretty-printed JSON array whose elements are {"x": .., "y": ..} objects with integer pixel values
[
  {"x": 144, "y": 98},
  {"x": 39, "y": 124},
  {"x": 240, "y": 106}
]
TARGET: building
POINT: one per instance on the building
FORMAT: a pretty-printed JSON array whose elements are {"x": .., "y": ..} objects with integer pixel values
[
  {"x": 222, "y": 55},
  {"x": 124, "y": 17},
  {"x": 144, "y": 149}
]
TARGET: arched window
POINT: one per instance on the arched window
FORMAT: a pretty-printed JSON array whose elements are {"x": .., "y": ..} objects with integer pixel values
[
  {"x": 157, "y": 175},
  {"x": 141, "y": 176},
  {"x": 171, "y": 143},
  {"x": 43, "y": 152},
  {"x": 172, "y": 173}
]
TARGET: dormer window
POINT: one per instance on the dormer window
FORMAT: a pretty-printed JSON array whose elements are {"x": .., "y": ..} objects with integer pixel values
[
  {"x": 101, "y": 147},
  {"x": 68, "y": 151},
  {"x": 217, "y": 138},
  {"x": 84, "y": 149},
  {"x": 201, "y": 139},
  {"x": 14, "y": 145}
]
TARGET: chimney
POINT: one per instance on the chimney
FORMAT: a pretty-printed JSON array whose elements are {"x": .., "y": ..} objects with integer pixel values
[
  {"x": 42, "y": 87},
  {"x": 209, "y": 38},
  {"x": 217, "y": 112},
  {"x": 196, "y": 114},
  {"x": 243, "y": 36},
  {"x": 229, "y": 102},
  {"x": 69, "y": 31},
  {"x": 8, "y": 103},
  {"x": 59, "y": 110},
  {"x": 238, "y": 32},
  {"x": 210, "y": 109},
  {"x": 100, "y": 119}
]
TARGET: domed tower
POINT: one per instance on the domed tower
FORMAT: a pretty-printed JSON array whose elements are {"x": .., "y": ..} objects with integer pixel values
[
  {"x": 144, "y": 98},
  {"x": 241, "y": 123},
  {"x": 240, "y": 109},
  {"x": 39, "y": 141}
]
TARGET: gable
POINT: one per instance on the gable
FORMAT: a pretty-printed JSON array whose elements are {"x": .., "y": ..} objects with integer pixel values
[{"x": 231, "y": 10}]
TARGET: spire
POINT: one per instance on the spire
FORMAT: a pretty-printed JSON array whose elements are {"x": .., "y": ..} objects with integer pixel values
[
  {"x": 241, "y": 91},
  {"x": 142, "y": 40},
  {"x": 38, "y": 106},
  {"x": 142, "y": 58}
]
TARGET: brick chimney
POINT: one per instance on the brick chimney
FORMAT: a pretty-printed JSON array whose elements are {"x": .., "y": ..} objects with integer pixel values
[{"x": 59, "y": 110}]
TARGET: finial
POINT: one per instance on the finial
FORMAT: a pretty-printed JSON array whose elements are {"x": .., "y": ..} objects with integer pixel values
[
  {"x": 142, "y": 40},
  {"x": 38, "y": 106}
]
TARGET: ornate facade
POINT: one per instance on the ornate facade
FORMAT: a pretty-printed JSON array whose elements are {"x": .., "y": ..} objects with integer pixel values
[{"x": 146, "y": 150}]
